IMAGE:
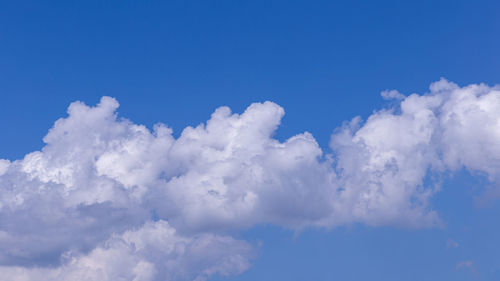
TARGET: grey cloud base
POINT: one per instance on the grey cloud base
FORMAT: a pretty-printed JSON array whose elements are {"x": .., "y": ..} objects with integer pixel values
[{"x": 106, "y": 199}]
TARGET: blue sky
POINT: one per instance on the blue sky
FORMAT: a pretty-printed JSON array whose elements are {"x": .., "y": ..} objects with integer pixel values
[{"x": 324, "y": 62}]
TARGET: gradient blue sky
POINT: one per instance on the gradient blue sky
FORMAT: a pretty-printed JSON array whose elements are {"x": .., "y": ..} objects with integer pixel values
[{"x": 323, "y": 61}]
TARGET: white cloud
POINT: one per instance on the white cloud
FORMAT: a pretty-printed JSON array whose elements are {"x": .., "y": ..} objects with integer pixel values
[
  {"x": 4, "y": 165},
  {"x": 383, "y": 163},
  {"x": 84, "y": 204},
  {"x": 392, "y": 95},
  {"x": 151, "y": 252}
]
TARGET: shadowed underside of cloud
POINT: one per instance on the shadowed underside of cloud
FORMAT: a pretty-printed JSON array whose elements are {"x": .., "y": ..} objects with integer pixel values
[{"x": 94, "y": 203}]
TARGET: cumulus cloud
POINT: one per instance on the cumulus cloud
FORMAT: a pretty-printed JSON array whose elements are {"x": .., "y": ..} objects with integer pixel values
[
  {"x": 152, "y": 252},
  {"x": 107, "y": 198}
]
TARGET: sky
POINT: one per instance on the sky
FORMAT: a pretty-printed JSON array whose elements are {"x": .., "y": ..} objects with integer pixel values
[{"x": 249, "y": 140}]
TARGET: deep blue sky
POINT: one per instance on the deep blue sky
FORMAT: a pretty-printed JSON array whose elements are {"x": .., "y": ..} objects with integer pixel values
[{"x": 323, "y": 61}]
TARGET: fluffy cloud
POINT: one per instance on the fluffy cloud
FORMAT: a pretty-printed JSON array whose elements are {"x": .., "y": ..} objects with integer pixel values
[
  {"x": 152, "y": 252},
  {"x": 386, "y": 165},
  {"x": 95, "y": 201}
]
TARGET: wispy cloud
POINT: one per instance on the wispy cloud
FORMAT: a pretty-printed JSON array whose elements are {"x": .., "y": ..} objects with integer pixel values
[
  {"x": 466, "y": 265},
  {"x": 450, "y": 243}
]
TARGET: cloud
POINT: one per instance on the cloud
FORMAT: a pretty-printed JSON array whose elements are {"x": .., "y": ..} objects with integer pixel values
[
  {"x": 450, "y": 243},
  {"x": 468, "y": 264},
  {"x": 392, "y": 95},
  {"x": 99, "y": 194},
  {"x": 152, "y": 252}
]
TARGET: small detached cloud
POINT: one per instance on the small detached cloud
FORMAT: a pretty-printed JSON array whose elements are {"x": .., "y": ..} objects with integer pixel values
[
  {"x": 450, "y": 244},
  {"x": 392, "y": 95},
  {"x": 468, "y": 264}
]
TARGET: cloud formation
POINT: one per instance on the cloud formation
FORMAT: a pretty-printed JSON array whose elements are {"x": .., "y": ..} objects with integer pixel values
[
  {"x": 152, "y": 252},
  {"x": 107, "y": 199}
]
